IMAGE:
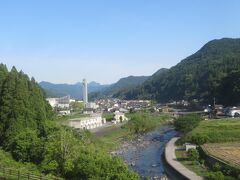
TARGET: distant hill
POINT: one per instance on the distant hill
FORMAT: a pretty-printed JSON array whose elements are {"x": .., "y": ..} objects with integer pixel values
[
  {"x": 120, "y": 86},
  {"x": 74, "y": 90},
  {"x": 125, "y": 83},
  {"x": 199, "y": 76}
]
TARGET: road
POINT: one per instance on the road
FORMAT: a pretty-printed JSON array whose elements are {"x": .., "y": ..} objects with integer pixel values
[{"x": 172, "y": 161}]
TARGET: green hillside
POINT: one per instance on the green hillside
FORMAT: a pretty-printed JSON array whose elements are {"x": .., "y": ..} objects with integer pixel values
[
  {"x": 199, "y": 76},
  {"x": 121, "y": 86}
]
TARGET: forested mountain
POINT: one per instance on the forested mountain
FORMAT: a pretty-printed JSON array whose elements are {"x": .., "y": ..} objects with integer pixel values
[
  {"x": 125, "y": 83},
  {"x": 74, "y": 90},
  {"x": 199, "y": 76},
  {"x": 122, "y": 85}
]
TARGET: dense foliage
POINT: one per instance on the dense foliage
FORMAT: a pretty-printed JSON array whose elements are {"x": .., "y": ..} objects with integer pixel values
[
  {"x": 23, "y": 112},
  {"x": 143, "y": 122},
  {"x": 199, "y": 76},
  {"x": 108, "y": 116},
  {"x": 187, "y": 123},
  {"x": 193, "y": 154},
  {"x": 72, "y": 155},
  {"x": 229, "y": 89},
  {"x": 28, "y": 131}
]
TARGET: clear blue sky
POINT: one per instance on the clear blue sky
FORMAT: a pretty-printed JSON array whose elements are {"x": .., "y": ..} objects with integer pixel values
[{"x": 63, "y": 41}]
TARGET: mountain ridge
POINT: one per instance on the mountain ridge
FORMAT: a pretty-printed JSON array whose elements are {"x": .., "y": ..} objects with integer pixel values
[
  {"x": 74, "y": 90},
  {"x": 196, "y": 77}
]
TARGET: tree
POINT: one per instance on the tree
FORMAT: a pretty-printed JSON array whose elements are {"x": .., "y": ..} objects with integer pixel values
[
  {"x": 215, "y": 176},
  {"x": 193, "y": 154},
  {"x": 22, "y": 106},
  {"x": 187, "y": 122},
  {"x": 229, "y": 89},
  {"x": 27, "y": 147}
]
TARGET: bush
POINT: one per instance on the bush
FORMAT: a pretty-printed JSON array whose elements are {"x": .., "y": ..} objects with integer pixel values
[
  {"x": 27, "y": 147},
  {"x": 199, "y": 139},
  {"x": 193, "y": 154},
  {"x": 143, "y": 122},
  {"x": 187, "y": 123},
  {"x": 215, "y": 176}
]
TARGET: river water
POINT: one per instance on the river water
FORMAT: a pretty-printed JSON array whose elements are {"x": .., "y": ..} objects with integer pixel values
[{"x": 144, "y": 154}]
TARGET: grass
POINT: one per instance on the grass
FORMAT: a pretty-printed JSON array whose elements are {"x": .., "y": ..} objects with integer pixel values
[
  {"x": 116, "y": 134},
  {"x": 196, "y": 167},
  {"x": 111, "y": 140},
  {"x": 62, "y": 119},
  {"x": 226, "y": 152},
  {"x": 220, "y": 130},
  {"x": 108, "y": 115},
  {"x": 225, "y": 136}
]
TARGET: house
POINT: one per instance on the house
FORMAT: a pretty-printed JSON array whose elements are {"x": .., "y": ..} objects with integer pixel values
[
  {"x": 88, "y": 111},
  {"x": 123, "y": 110},
  {"x": 62, "y": 102},
  {"x": 65, "y": 112},
  {"x": 190, "y": 146},
  {"x": 119, "y": 117}
]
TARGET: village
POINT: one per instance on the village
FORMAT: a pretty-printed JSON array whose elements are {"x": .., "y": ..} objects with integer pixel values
[{"x": 102, "y": 111}]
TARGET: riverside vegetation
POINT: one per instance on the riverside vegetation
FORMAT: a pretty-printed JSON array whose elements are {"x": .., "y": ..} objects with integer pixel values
[
  {"x": 196, "y": 130},
  {"x": 29, "y": 132}
]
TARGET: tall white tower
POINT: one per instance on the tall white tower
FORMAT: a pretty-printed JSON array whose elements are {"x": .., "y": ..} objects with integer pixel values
[{"x": 85, "y": 92}]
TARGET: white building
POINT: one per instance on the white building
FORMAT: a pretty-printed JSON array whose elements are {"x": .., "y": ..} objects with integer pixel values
[
  {"x": 92, "y": 105},
  {"x": 52, "y": 102},
  {"x": 91, "y": 122},
  {"x": 62, "y": 102},
  {"x": 189, "y": 146},
  {"x": 72, "y": 100},
  {"x": 119, "y": 117},
  {"x": 66, "y": 112}
]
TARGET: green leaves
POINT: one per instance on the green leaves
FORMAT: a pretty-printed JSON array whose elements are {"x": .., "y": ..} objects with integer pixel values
[
  {"x": 27, "y": 147},
  {"x": 187, "y": 123},
  {"x": 27, "y": 132},
  {"x": 71, "y": 158},
  {"x": 23, "y": 112},
  {"x": 193, "y": 155}
]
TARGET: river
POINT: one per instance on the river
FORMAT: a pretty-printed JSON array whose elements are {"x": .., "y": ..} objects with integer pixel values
[{"x": 144, "y": 154}]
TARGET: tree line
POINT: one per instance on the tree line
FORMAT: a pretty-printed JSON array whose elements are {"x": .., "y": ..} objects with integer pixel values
[{"x": 28, "y": 130}]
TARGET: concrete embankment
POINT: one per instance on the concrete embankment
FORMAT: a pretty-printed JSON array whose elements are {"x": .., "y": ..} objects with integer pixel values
[{"x": 172, "y": 161}]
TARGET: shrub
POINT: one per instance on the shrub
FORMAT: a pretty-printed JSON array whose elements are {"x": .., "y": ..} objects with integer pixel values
[
  {"x": 199, "y": 139},
  {"x": 187, "y": 122},
  {"x": 215, "y": 176},
  {"x": 193, "y": 154}
]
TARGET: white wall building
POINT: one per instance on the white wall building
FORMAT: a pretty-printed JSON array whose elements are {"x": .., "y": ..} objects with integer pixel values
[
  {"x": 62, "y": 102},
  {"x": 52, "y": 102},
  {"x": 119, "y": 117},
  {"x": 92, "y": 105},
  {"x": 91, "y": 122}
]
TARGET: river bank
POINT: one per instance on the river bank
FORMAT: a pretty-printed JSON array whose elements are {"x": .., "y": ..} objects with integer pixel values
[{"x": 143, "y": 154}]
